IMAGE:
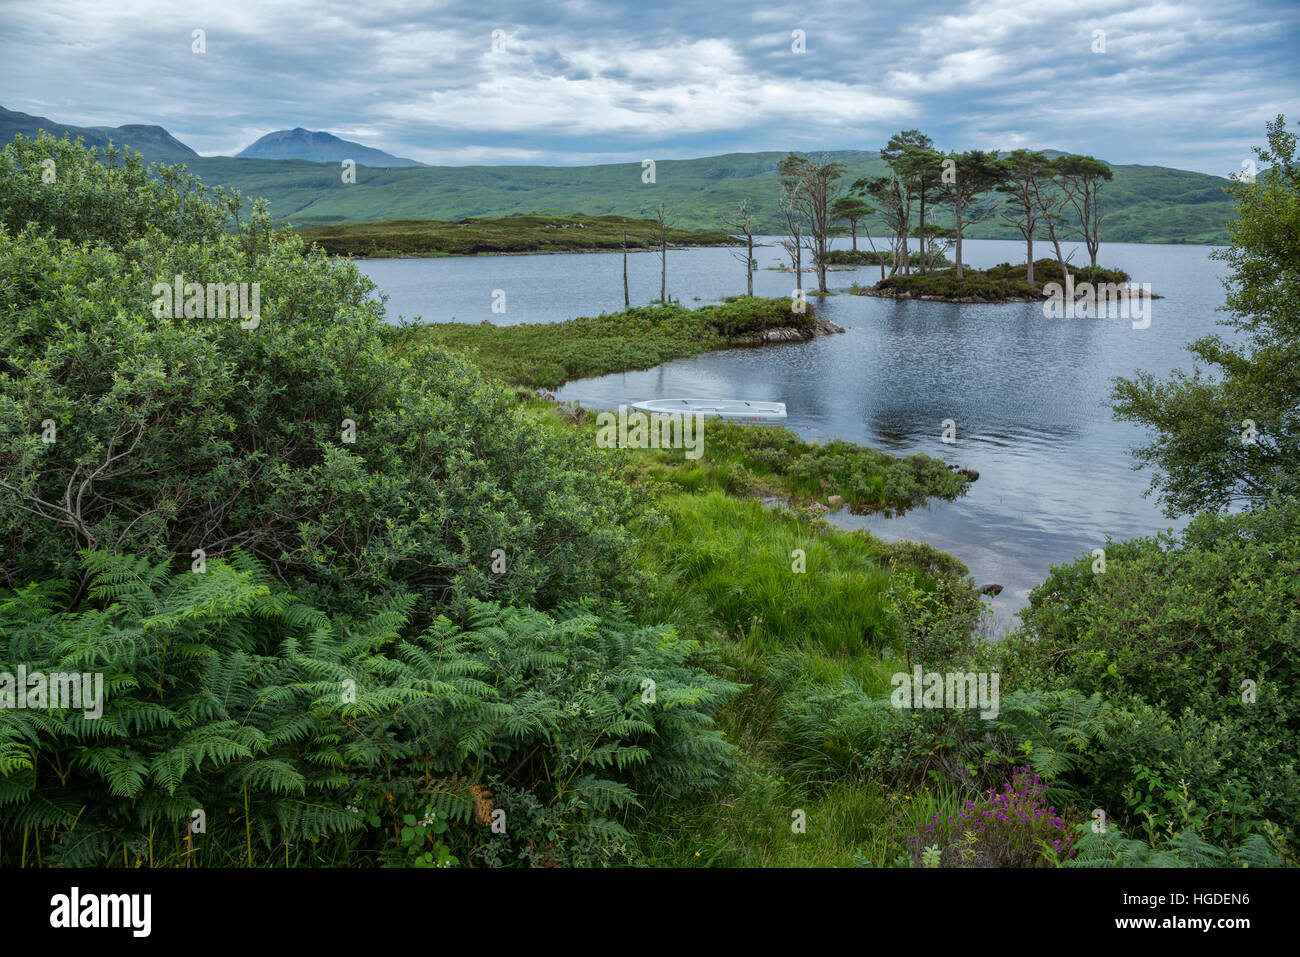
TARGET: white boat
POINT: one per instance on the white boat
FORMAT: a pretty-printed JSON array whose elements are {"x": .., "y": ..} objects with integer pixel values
[{"x": 721, "y": 408}]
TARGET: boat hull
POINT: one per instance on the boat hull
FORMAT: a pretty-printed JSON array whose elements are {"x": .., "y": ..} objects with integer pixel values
[{"x": 739, "y": 409}]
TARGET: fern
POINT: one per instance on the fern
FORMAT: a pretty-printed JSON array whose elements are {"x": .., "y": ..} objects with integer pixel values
[{"x": 225, "y": 695}]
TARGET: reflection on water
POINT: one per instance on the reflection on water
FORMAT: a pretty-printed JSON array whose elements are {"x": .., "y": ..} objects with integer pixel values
[{"x": 1028, "y": 394}]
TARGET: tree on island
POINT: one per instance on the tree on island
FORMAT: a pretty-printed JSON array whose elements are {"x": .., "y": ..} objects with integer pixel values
[
  {"x": 938, "y": 242},
  {"x": 794, "y": 227},
  {"x": 743, "y": 224},
  {"x": 1021, "y": 173},
  {"x": 627, "y": 301},
  {"x": 975, "y": 173},
  {"x": 811, "y": 188},
  {"x": 1233, "y": 438},
  {"x": 1051, "y": 199},
  {"x": 851, "y": 209},
  {"x": 910, "y": 154},
  {"x": 1080, "y": 178},
  {"x": 895, "y": 208}
]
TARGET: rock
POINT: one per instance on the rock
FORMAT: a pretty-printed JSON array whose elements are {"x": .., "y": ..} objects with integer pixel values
[
  {"x": 970, "y": 474},
  {"x": 835, "y": 500},
  {"x": 990, "y": 589},
  {"x": 818, "y": 507}
]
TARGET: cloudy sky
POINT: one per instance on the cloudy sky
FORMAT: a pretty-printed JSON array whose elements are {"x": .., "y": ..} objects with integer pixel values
[{"x": 1182, "y": 83}]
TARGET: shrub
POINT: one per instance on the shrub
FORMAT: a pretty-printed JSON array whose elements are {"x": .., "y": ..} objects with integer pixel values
[
  {"x": 1195, "y": 641},
  {"x": 300, "y": 733},
  {"x": 110, "y": 197},
  {"x": 171, "y": 435}
]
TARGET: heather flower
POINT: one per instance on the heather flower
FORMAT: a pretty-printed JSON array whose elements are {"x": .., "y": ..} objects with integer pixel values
[{"x": 1006, "y": 829}]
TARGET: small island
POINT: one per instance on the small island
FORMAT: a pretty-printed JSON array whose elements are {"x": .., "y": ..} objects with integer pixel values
[{"x": 1009, "y": 283}]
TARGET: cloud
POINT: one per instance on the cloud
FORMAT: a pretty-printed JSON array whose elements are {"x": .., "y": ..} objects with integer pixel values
[{"x": 1181, "y": 82}]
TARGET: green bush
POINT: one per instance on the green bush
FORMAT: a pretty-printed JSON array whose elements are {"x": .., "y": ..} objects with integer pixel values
[
  {"x": 110, "y": 197},
  {"x": 330, "y": 739},
  {"x": 124, "y": 430},
  {"x": 1195, "y": 641}
]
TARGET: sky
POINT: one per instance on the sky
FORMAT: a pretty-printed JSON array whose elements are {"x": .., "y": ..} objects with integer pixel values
[{"x": 1182, "y": 84}]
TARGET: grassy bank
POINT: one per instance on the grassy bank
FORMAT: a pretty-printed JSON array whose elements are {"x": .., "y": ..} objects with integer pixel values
[
  {"x": 755, "y": 461},
  {"x": 725, "y": 570},
  {"x": 546, "y": 355},
  {"x": 510, "y": 234}
]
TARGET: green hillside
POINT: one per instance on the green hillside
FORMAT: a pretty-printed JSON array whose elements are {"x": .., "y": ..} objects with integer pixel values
[{"x": 1143, "y": 203}]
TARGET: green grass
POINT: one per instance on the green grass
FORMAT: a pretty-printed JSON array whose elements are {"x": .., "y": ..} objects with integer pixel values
[
  {"x": 758, "y": 460},
  {"x": 724, "y": 571},
  {"x": 546, "y": 355},
  {"x": 514, "y": 234},
  {"x": 730, "y": 562},
  {"x": 847, "y": 822}
]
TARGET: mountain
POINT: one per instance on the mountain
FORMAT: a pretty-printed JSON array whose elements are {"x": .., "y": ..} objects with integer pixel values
[
  {"x": 300, "y": 144},
  {"x": 154, "y": 143},
  {"x": 1142, "y": 204}
]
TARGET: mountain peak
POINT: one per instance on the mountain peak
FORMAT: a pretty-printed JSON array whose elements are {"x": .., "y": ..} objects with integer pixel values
[{"x": 318, "y": 146}]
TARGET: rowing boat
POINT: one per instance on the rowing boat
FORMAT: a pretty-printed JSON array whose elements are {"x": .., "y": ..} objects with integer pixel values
[{"x": 741, "y": 409}]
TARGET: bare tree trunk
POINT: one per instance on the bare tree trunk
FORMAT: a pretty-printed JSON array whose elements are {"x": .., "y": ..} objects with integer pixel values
[
  {"x": 959, "y": 210},
  {"x": 627, "y": 302},
  {"x": 1093, "y": 234},
  {"x": 922, "y": 237},
  {"x": 749, "y": 270},
  {"x": 663, "y": 255},
  {"x": 1060, "y": 258},
  {"x": 743, "y": 225},
  {"x": 853, "y": 225}
]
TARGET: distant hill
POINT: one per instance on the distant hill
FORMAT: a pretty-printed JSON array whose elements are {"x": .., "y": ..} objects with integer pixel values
[
  {"x": 1142, "y": 204},
  {"x": 1151, "y": 204},
  {"x": 300, "y": 144},
  {"x": 154, "y": 143}
]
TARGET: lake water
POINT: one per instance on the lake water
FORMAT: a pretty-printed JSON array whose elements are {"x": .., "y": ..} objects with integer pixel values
[{"x": 1028, "y": 394}]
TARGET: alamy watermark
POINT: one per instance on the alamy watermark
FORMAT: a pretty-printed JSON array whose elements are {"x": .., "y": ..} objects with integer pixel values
[
  {"x": 651, "y": 430},
  {"x": 1103, "y": 300},
  {"x": 214, "y": 300},
  {"x": 82, "y": 691},
  {"x": 956, "y": 689}
]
